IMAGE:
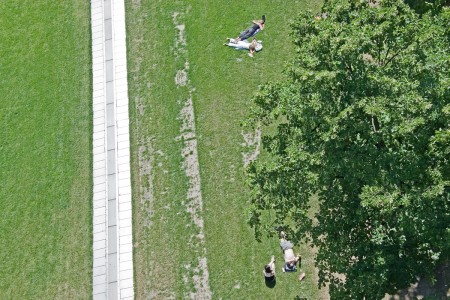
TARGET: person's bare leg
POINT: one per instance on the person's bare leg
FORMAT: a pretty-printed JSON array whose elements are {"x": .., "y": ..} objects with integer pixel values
[{"x": 272, "y": 263}]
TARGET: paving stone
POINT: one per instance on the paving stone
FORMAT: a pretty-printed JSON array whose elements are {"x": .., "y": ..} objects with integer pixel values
[
  {"x": 126, "y": 256},
  {"x": 113, "y": 291},
  {"x": 122, "y": 109},
  {"x": 97, "y": 86},
  {"x": 99, "y": 196},
  {"x": 109, "y": 70},
  {"x": 99, "y": 211},
  {"x": 100, "y": 187},
  {"x": 125, "y": 215},
  {"x": 111, "y": 164},
  {"x": 98, "y": 78},
  {"x": 100, "y": 229},
  {"x": 126, "y": 205},
  {"x": 100, "y": 279},
  {"x": 98, "y": 135},
  {"x": 122, "y": 138},
  {"x": 97, "y": 28},
  {"x": 107, "y": 9},
  {"x": 99, "y": 121},
  {"x": 126, "y": 283},
  {"x": 112, "y": 239},
  {"x": 101, "y": 234},
  {"x": 111, "y": 138},
  {"x": 123, "y": 183},
  {"x": 101, "y": 261},
  {"x": 97, "y": 67},
  {"x": 125, "y": 249},
  {"x": 124, "y": 160},
  {"x": 120, "y": 75},
  {"x": 123, "y": 153},
  {"x": 112, "y": 267},
  {"x": 110, "y": 121},
  {"x": 123, "y": 145},
  {"x": 127, "y": 274},
  {"x": 122, "y": 89},
  {"x": 124, "y": 168},
  {"x": 120, "y": 66},
  {"x": 98, "y": 143},
  {"x": 99, "y": 245},
  {"x": 96, "y": 54},
  {"x": 124, "y": 190},
  {"x": 98, "y": 171},
  {"x": 108, "y": 29},
  {"x": 100, "y": 178},
  {"x": 112, "y": 213},
  {"x": 96, "y": 4},
  {"x": 99, "y": 253},
  {"x": 109, "y": 92},
  {"x": 99, "y": 271},
  {"x": 126, "y": 292},
  {"x": 127, "y": 239},
  {"x": 123, "y": 95},
  {"x": 101, "y": 296},
  {"x": 121, "y": 130},
  {"x": 122, "y": 116},
  {"x": 96, "y": 10},
  {"x": 99, "y": 220},
  {"x": 99, "y": 164},
  {"x": 108, "y": 50},
  {"x": 99, "y": 289},
  {"x": 100, "y": 203},
  {"x": 112, "y": 186},
  {"x": 126, "y": 265},
  {"x": 99, "y": 129}
]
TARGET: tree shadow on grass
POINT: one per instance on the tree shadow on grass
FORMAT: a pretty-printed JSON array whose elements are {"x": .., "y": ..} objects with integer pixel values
[{"x": 423, "y": 289}]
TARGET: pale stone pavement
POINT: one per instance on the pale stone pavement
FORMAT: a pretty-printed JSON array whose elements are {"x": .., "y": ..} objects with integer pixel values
[{"x": 112, "y": 225}]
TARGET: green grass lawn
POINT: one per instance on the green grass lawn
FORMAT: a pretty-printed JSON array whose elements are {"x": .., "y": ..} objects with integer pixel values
[
  {"x": 221, "y": 82},
  {"x": 45, "y": 150}
]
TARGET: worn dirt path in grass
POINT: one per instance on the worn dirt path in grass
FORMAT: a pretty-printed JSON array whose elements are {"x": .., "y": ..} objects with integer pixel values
[{"x": 194, "y": 203}]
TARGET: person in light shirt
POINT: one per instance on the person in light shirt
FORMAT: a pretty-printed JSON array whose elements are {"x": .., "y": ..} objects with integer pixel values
[
  {"x": 253, "y": 47},
  {"x": 290, "y": 259}
]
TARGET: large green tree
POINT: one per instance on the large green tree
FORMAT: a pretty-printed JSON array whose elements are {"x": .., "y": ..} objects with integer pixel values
[{"x": 360, "y": 125}]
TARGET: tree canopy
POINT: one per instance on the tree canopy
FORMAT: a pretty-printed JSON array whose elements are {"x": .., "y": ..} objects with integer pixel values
[{"x": 361, "y": 126}]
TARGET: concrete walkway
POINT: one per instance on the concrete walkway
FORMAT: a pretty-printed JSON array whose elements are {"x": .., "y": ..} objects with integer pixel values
[{"x": 112, "y": 225}]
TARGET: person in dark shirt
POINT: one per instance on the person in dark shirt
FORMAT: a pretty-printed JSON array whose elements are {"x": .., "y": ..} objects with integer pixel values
[
  {"x": 269, "y": 270},
  {"x": 254, "y": 29}
]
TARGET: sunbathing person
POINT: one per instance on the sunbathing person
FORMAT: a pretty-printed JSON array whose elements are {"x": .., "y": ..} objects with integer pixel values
[
  {"x": 253, "y": 47},
  {"x": 290, "y": 260},
  {"x": 254, "y": 29}
]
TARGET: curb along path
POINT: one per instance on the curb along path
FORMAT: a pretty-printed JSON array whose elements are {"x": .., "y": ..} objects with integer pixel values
[{"x": 112, "y": 225}]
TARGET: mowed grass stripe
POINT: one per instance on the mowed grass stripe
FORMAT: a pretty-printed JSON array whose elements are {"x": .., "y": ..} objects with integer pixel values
[
  {"x": 224, "y": 81},
  {"x": 45, "y": 169},
  {"x": 166, "y": 249}
]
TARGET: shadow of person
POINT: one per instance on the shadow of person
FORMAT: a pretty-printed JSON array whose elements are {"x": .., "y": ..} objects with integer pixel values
[{"x": 270, "y": 282}]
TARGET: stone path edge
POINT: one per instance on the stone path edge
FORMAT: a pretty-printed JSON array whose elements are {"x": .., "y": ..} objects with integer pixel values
[{"x": 112, "y": 224}]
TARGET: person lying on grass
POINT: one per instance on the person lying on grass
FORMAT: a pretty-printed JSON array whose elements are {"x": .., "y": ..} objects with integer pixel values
[
  {"x": 253, "y": 47},
  {"x": 290, "y": 260},
  {"x": 254, "y": 29}
]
